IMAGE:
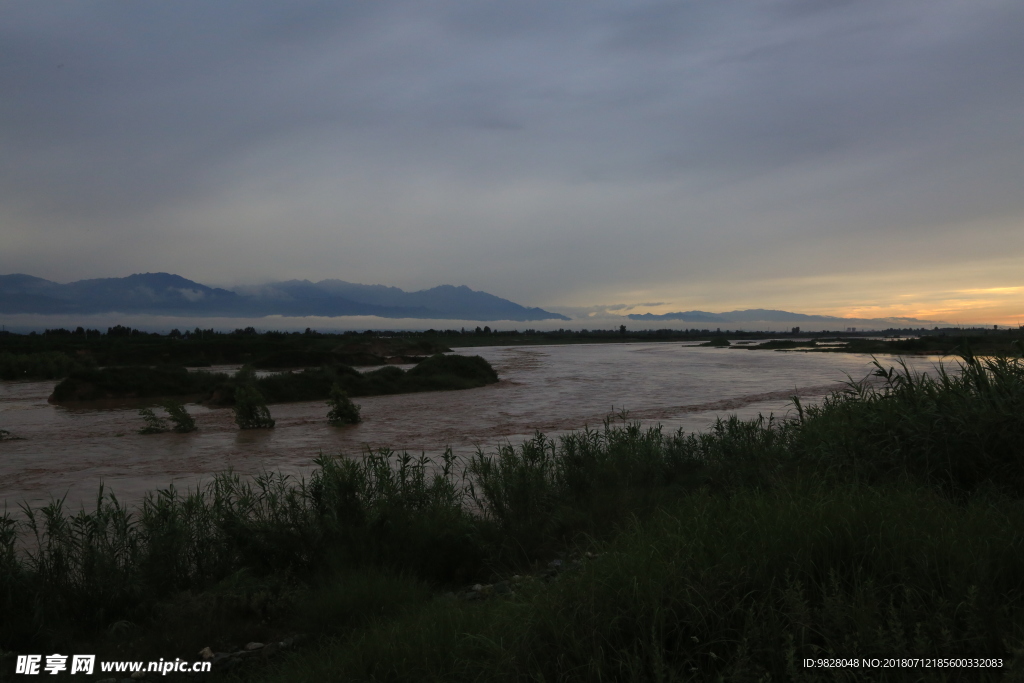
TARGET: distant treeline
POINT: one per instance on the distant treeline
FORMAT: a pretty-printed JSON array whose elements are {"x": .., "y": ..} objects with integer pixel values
[
  {"x": 44, "y": 365},
  {"x": 25, "y": 354}
]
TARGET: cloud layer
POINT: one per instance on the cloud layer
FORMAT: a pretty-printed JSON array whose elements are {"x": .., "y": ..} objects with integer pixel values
[{"x": 798, "y": 154}]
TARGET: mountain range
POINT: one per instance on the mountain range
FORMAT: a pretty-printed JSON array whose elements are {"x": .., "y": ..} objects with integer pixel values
[{"x": 167, "y": 294}]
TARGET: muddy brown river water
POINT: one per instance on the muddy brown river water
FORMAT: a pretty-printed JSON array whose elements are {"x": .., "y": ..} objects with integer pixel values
[{"x": 70, "y": 452}]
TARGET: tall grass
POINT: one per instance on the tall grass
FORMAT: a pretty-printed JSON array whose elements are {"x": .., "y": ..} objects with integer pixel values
[
  {"x": 733, "y": 588},
  {"x": 961, "y": 431},
  {"x": 79, "y": 572}
]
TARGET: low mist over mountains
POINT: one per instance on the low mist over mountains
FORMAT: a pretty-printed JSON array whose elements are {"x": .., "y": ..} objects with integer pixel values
[
  {"x": 167, "y": 294},
  {"x": 743, "y": 319}
]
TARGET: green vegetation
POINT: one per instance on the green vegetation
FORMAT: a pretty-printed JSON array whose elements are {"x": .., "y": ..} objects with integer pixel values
[
  {"x": 136, "y": 383},
  {"x": 176, "y": 413},
  {"x": 436, "y": 373},
  {"x": 717, "y": 341},
  {"x": 59, "y": 353},
  {"x": 179, "y": 417},
  {"x": 121, "y": 345},
  {"x": 883, "y": 522},
  {"x": 342, "y": 410},
  {"x": 44, "y": 365},
  {"x": 153, "y": 423},
  {"x": 251, "y": 410},
  {"x": 784, "y": 344}
]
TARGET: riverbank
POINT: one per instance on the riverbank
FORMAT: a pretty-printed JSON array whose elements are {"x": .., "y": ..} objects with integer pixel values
[{"x": 883, "y": 522}]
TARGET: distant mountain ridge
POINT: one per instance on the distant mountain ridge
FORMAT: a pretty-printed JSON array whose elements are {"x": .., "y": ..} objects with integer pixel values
[{"x": 168, "y": 294}]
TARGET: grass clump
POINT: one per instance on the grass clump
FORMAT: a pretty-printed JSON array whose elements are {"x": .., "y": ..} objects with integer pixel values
[{"x": 342, "y": 410}]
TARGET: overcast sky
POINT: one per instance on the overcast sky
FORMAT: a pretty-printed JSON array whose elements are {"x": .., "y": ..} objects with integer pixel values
[{"x": 845, "y": 157}]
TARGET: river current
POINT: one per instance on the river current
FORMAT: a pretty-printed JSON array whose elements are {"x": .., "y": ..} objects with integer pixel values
[{"x": 70, "y": 452}]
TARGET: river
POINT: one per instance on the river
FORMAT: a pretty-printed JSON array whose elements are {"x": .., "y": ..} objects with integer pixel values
[{"x": 70, "y": 452}]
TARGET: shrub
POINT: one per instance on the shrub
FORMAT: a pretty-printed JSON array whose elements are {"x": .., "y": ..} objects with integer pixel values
[
  {"x": 154, "y": 424},
  {"x": 183, "y": 422},
  {"x": 251, "y": 410},
  {"x": 342, "y": 410}
]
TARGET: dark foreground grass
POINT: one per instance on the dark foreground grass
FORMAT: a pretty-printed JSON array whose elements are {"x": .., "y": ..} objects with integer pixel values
[
  {"x": 885, "y": 522},
  {"x": 730, "y": 588}
]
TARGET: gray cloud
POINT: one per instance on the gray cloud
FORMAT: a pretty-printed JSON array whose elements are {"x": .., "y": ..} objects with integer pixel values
[{"x": 553, "y": 153}]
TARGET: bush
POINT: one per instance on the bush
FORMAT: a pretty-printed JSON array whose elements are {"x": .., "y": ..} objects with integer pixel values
[
  {"x": 251, "y": 410},
  {"x": 154, "y": 424},
  {"x": 342, "y": 410},
  {"x": 183, "y": 422}
]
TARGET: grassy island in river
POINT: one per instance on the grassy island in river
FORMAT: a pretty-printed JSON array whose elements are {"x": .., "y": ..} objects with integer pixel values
[{"x": 436, "y": 373}]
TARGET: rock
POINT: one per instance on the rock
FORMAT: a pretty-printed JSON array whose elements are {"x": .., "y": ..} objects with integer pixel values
[
  {"x": 206, "y": 653},
  {"x": 254, "y": 646},
  {"x": 220, "y": 658},
  {"x": 477, "y": 587},
  {"x": 138, "y": 675},
  {"x": 555, "y": 564}
]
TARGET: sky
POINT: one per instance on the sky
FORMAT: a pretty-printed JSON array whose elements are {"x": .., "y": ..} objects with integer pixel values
[{"x": 860, "y": 158}]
